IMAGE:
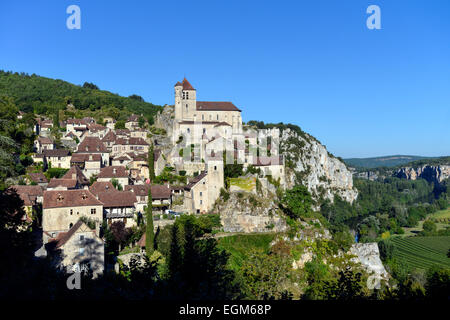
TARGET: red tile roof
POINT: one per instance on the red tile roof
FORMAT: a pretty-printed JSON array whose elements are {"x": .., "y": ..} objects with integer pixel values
[
  {"x": 113, "y": 172},
  {"x": 194, "y": 181},
  {"x": 117, "y": 199},
  {"x": 216, "y": 106},
  {"x": 38, "y": 177},
  {"x": 158, "y": 191},
  {"x": 67, "y": 183},
  {"x": 30, "y": 190},
  {"x": 91, "y": 145},
  {"x": 44, "y": 140},
  {"x": 83, "y": 157},
  {"x": 186, "y": 85},
  {"x": 101, "y": 186},
  {"x": 69, "y": 198},
  {"x": 109, "y": 137},
  {"x": 75, "y": 172}
]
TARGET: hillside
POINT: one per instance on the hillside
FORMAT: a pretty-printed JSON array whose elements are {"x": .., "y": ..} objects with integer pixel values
[
  {"x": 45, "y": 96},
  {"x": 386, "y": 161}
]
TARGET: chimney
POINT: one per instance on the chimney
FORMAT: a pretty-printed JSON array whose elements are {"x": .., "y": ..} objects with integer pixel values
[
  {"x": 90, "y": 157},
  {"x": 114, "y": 170},
  {"x": 74, "y": 176}
]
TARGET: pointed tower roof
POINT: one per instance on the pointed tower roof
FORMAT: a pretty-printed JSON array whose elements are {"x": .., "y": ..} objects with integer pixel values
[{"x": 187, "y": 85}]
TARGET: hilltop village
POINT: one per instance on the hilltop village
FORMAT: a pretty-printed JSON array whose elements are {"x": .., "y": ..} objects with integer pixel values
[{"x": 107, "y": 174}]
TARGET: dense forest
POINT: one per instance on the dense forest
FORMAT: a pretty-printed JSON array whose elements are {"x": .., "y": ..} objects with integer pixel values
[{"x": 45, "y": 96}]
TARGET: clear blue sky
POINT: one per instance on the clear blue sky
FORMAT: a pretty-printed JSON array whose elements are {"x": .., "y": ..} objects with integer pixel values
[{"x": 314, "y": 63}]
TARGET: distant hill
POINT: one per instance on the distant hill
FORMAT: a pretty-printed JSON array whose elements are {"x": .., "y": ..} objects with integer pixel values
[
  {"x": 387, "y": 161},
  {"x": 46, "y": 96}
]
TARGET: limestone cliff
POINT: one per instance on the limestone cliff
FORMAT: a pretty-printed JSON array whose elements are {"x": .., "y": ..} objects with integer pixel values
[
  {"x": 308, "y": 162},
  {"x": 431, "y": 173},
  {"x": 247, "y": 212}
]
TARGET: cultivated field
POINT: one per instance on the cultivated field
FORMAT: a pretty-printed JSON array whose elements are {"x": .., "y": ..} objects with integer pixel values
[{"x": 423, "y": 252}]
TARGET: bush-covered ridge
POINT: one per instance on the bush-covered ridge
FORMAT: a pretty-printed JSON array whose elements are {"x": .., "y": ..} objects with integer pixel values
[{"x": 33, "y": 93}]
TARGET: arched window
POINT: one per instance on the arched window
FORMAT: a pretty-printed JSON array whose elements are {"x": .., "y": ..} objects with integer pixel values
[{"x": 70, "y": 225}]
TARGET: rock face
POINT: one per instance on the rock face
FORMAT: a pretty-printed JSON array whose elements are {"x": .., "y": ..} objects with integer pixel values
[
  {"x": 435, "y": 174},
  {"x": 313, "y": 166},
  {"x": 369, "y": 257},
  {"x": 164, "y": 119},
  {"x": 246, "y": 212}
]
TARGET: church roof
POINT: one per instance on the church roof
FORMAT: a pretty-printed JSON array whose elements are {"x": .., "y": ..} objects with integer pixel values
[
  {"x": 186, "y": 85},
  {"x": 216, "y": 106}
]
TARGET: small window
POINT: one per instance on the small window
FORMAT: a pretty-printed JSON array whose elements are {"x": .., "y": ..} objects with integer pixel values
[
  {"x": 201, "y": 193},
  {"x": 186, "y": 107},
  {"x": 203, "y": 117},
  {"x": 71, "y": 211},
  {"x": 70, "y": 225},
  {"x": 204, "y": 130},
  {"x": 93, "y": 211},
  {"x": 217, "y": 117},
  {"x": 81, "y": 237},
  {"x": 201, "y": 201},
  {"x": 215, "y": 167}
]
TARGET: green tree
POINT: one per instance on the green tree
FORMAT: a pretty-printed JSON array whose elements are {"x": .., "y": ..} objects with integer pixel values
[
  {"x": 297, "y": 202},
  {"x": 116, "y": 184},
  {"x": 149, "y": 232},
  {"x": 120, "y": 124},
  {"x": 429, "y": 227},
  {"x": 151, "y": 162}
]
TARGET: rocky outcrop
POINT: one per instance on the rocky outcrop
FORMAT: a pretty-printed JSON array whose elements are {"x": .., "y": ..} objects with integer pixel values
[
  {"x": 431, "y": 173},
  {"x": 246, "y": 212},
  {"x": 165, "y": 118},
  {"x": 369, "y": 256},
  {"x": 308, "y": 162}
]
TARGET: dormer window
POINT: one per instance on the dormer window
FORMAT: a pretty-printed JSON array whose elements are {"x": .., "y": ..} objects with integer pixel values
[{"x": 84, "y": 196}]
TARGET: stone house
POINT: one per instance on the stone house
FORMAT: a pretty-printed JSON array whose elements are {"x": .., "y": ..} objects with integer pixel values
[
  {"x": 43, "y": 143},
  {"x": 63, "y": 184},
  {"x": 75, "y": 173},
  {"x": 109, "y": 139},
  {"x": 97, "y": 130},
  {"x": 114, "y": 172},
  {"x": 93, "y": 145},
  {"x": 122, "y": 145},
  {"x": 271, "y": 166},
  {"x": 57, "y": 158},
  {"x": 161, "y": 197},
  {"x": 122, "y": 160},
  {"x": 132, "y": 122},
  {"x": 202, "y": 191},
  {"x": 78, "y": 249},
  {"x": 37, "y": 177},
  {"x": 90, "y": 164},
  {"x": 118, "y": 206},
  {"x": 63, "y": 208}
]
